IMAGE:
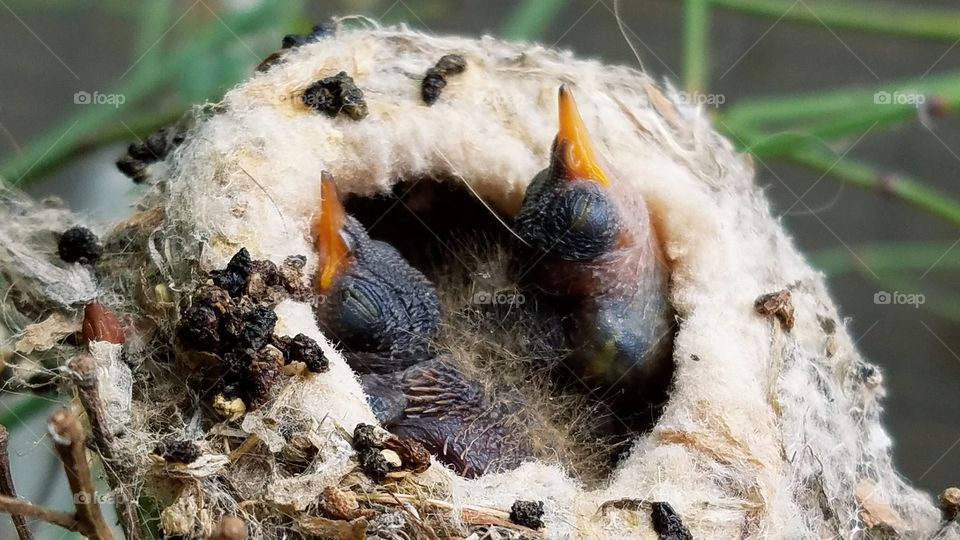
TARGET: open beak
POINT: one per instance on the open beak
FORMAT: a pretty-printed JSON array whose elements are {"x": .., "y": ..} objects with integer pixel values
[
  {"x": 576, "y": 155},
  {"x": 331, "y": 248}
]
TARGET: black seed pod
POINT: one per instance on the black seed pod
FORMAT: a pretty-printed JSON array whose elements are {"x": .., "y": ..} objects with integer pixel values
[
  {"x": 435, "y": 79},
  {"x": 236, "y": 275},
  {"x": 303, "y": 348},
  {"x": 334, "y": 95},
  {"x": 667, "y": 523},
  {"x": 527, "y": 513},
  {"x": 79, "y": 244}
]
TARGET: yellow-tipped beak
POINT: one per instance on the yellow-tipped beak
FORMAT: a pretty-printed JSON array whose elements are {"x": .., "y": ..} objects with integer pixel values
[
  {"x": 331, "y": 248},
  {"x": 577, "y": 157}
]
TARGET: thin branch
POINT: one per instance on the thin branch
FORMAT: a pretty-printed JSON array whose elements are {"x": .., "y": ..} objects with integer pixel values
[
  {"x": 84, "y": 374},
  {"x": 7, "y": 487},
  {"x": 22, "y": 508},
  {"x": 910, "y": 190},
  {"x": 938, "y": 24},
  {"x": 68, "y": 441}
]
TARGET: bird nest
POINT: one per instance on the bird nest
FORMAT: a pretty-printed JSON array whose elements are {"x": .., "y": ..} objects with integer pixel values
[{"x": 772, "y": 423}]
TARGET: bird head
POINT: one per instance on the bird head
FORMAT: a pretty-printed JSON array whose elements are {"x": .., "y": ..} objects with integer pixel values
[
  {"x": 568, "y": 209},
  {"x": 383, "y": 311}
]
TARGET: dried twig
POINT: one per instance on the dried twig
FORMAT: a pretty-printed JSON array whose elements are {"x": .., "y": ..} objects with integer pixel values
[
  {"x": 7, "y": 488},
  {"x": 84, "y": 373},
  {"x": 68, "y": 440},
  {"x": 25, "y": 509}
]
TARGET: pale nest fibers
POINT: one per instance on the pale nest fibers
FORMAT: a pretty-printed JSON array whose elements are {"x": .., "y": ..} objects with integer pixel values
[{"x": 768, "y": 432}]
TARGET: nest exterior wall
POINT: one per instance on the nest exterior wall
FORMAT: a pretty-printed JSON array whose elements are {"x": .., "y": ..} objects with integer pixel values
[{"x": 768, "y": 432}]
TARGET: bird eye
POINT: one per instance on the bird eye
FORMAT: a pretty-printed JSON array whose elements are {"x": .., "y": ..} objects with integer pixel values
[
  {"x": 360, "y": 304},
  {"x": 583, "y": 223}
]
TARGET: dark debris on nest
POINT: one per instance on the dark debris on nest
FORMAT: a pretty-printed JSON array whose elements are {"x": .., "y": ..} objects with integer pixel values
[
  {"x": 156, "y": 147},
  {"x": 335, "y": 95},
  {"x": 79, "y": 245},
  {"x": 435, "y": 79},
  {"x": 527, "y": 513},
  {"x": 174, "y": 450},
  {"x": 233, "y": 319},
  {"x": 667, "y": 523}
]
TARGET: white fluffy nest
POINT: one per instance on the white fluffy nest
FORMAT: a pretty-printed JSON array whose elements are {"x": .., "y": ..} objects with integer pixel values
[{"x": 768, "y": 432}]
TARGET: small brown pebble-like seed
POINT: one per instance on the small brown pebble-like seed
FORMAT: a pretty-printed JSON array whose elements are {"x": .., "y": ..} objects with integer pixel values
[
  {"x": 261, "y": 376},
  {"x": 777, "y": 304},
  {"x": 950, "y": 503},
  {"x": 101, "y": 324},
  {"x": 230, "y": 528},
  {"x": 413, "y": 455},
  {"x": 527, "y": 513},
  {"x": 338, "y": 504}
]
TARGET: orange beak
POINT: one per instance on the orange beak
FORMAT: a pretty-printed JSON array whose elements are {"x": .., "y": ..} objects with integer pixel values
[
  {"x": 331, "y": 248},
  {"x": 577, "y": 156}
]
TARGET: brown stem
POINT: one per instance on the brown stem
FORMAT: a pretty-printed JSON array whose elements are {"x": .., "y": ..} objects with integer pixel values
[
  {"x": 7, "y": 488},
  {"x": 88, "y": 389},
  {"x": 68, "y": 441},
  {"x": 23, "y": 509}
]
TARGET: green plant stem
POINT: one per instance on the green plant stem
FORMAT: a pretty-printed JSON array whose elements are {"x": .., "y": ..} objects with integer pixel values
[
  {"x": 873, "y": 17},
  {"x": 910, "y": 190},
  {"x": 848, "y": 125},
  {"x": 530, "y": 19},
  {"x": 888, "y": 258},
  {"x": 826, "y": 105},
  {"x": 696, "y": 38},
  {"x": 862, "y": 175}
]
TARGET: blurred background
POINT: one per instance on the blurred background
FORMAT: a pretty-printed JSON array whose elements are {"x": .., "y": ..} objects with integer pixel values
[{"x": 846, "y": 107}]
